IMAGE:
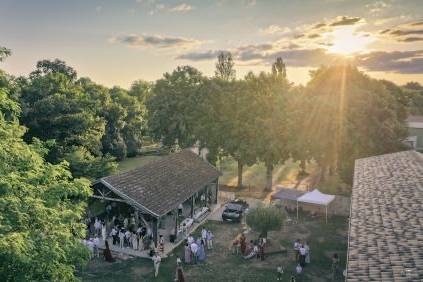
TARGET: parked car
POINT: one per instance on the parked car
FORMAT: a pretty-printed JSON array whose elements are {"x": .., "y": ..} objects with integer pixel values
[{"x": 234, "y": 210}]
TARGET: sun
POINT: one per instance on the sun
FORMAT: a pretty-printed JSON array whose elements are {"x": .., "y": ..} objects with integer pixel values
[{"x": 347, "y": 41}]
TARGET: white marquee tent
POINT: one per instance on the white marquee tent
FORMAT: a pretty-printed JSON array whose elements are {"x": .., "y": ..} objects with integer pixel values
[{"x": 316, "y": 197}]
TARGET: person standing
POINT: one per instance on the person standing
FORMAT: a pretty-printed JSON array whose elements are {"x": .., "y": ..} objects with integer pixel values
[
  {"x": 114, "y": 235},
  {"x": 134, "y": 238},
  {"x": 96, "y": 243},
  {"x": 121, "y": 238},
  {"x": 190, "y": 239},
  {"x": 279, "y": 271},
  {"x": 204, "y": 234},
  {"x": 194, "y": 251},
  {"x": 210, "y": 237},
  {"x": 156, "y": 262},
  {"x": 202, "y": 251},
  {"x": 187, "y": 254},
  {"x": 161, "y": 244},
  {"x": 297, "y": 250},
  {"x": 242, "y": 241},
  {"x": 302, "y": 255},
  {"x": 235, "y": 246},
  {"x": 307, "y": 248},
  {"x": 103, "y": 232},
  {"x": 335, "y": 265},
  {"x": 179, "y": 274}
]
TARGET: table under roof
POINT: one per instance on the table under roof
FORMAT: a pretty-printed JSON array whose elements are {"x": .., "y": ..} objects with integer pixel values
[{"x": 386, "y": 222}]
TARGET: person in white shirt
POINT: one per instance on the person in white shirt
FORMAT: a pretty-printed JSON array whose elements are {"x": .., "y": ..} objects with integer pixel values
[
  {"x": 97, "y": 226},
  {"x": 121, "y": 238},
  {"x": 210, "y": 237},
  {"x": 156, "y": 262},
  {"x": 128, "y": 238},
  {"x": 204, "y": 234},
  {"x": 103, "y": 232},
  {"x": 194, "y": 250},
  {"x": 114, "y": 233},
  {"x": 302, "y": 255},
  {"x": 96, "y": 243}
]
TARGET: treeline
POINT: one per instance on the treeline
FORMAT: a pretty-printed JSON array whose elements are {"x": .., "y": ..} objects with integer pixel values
[
  {"x": 341, "y": 115},
  {"x": 84, "y": 123}
]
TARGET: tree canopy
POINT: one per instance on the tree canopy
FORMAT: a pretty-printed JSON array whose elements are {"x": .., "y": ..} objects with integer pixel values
[{"x": 41, "y": 207}]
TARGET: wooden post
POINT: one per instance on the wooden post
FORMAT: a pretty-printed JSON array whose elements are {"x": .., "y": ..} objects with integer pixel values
[
  {"x": 217, "y": 190},
  {"x": 176, "y": 223},
  {"x": 192, "y": 207},
  {"x": 206, "y": 193},
  {"x": 155, "y": 231}
]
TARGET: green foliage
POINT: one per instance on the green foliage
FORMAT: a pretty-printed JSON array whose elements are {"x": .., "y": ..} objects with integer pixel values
[
  {"x": 41, "y": 207},
  {"x": 264, "y": 219},
  {"x": 225, "y": 66},
  {"x": 171, "y": 107},
  {"x": 4, "y": 52},
  {"x": 350, "y": 116},
  {"x": 86, "y": 120}
]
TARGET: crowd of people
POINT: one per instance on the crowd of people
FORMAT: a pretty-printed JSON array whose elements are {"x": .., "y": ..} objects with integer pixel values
[
  {"x": 302, "y": 255},
  {"x": 251, "y": 249},
  {"x": 195, "y": 249}
]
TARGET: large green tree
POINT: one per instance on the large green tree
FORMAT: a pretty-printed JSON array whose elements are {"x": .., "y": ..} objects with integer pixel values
[
  {"x": 41, "y": 207},
  {"x": 56, "y": 107},
  {"x": 270, "y": 93},
  {"x": 351, "y": 116},
  {"x": 173, "y": 105}
]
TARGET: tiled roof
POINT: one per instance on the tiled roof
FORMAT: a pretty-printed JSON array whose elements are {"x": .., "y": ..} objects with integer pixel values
[
  {"x": 161, "y": 185},
  {"x": 386, "y": 222}
]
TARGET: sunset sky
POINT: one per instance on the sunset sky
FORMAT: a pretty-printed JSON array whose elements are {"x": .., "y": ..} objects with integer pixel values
[{"x": 117, "y": 42}]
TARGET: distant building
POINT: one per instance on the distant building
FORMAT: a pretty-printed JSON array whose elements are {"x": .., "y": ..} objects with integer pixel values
[
  {"x": 415, "y": 132},
  {"x": 386, "y": 222}
]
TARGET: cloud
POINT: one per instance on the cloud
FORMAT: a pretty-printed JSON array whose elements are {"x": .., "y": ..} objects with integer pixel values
[
  {"x": 159, "y": 41},
  {"x": 377, "y": 7},
  {"x": 275, "y": 29},
  {"x": 396, "y": 61},
  {"x": 182, "y": 8},
  {"x": 251, "y": 3},
  {"x": 345, "y": 20},
  {"x": 199, "y": 56},
  {"x": 319, "y": 25},
  {"x": 411, "y": 39},
  {"x": 417, "y": 23},
  {"x": 406, "y": 32}
]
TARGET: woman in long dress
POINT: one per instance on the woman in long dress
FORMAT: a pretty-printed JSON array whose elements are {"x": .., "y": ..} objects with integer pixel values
[
  {"x": 307, "y": 248},
  {"x": 187, "y": 254},
  {"x": 202, "y": 251},
  {"x": 134, "y": 241}
]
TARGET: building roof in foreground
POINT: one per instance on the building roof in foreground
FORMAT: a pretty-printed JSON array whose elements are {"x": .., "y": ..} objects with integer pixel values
[
  {"x": 386, "y": 222},
  {"x": 161, "y": 185}
]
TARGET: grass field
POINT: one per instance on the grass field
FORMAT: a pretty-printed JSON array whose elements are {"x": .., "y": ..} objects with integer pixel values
[
  {"x": 222, "y": 265},
  {"x": 254, "y": 176}
]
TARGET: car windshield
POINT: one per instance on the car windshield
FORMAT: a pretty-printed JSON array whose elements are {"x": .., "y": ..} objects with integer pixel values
[{"x": 233, "y": 207}]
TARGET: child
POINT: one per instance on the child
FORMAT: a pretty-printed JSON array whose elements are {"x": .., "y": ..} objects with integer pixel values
[{"x": 279, "y": 270}]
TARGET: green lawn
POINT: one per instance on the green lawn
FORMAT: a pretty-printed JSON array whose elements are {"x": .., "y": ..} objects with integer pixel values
[
  {"x": 221, "y": 265},
  {"x": 254, "y": 176},
  {"x": 134, "y": 162}
]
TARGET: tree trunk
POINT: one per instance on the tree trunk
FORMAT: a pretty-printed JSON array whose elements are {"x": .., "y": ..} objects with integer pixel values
[
  {"x": 269, "y": 180},
  {"x": 303, "y": 167},
  {"x": 240, "y": 166}
]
